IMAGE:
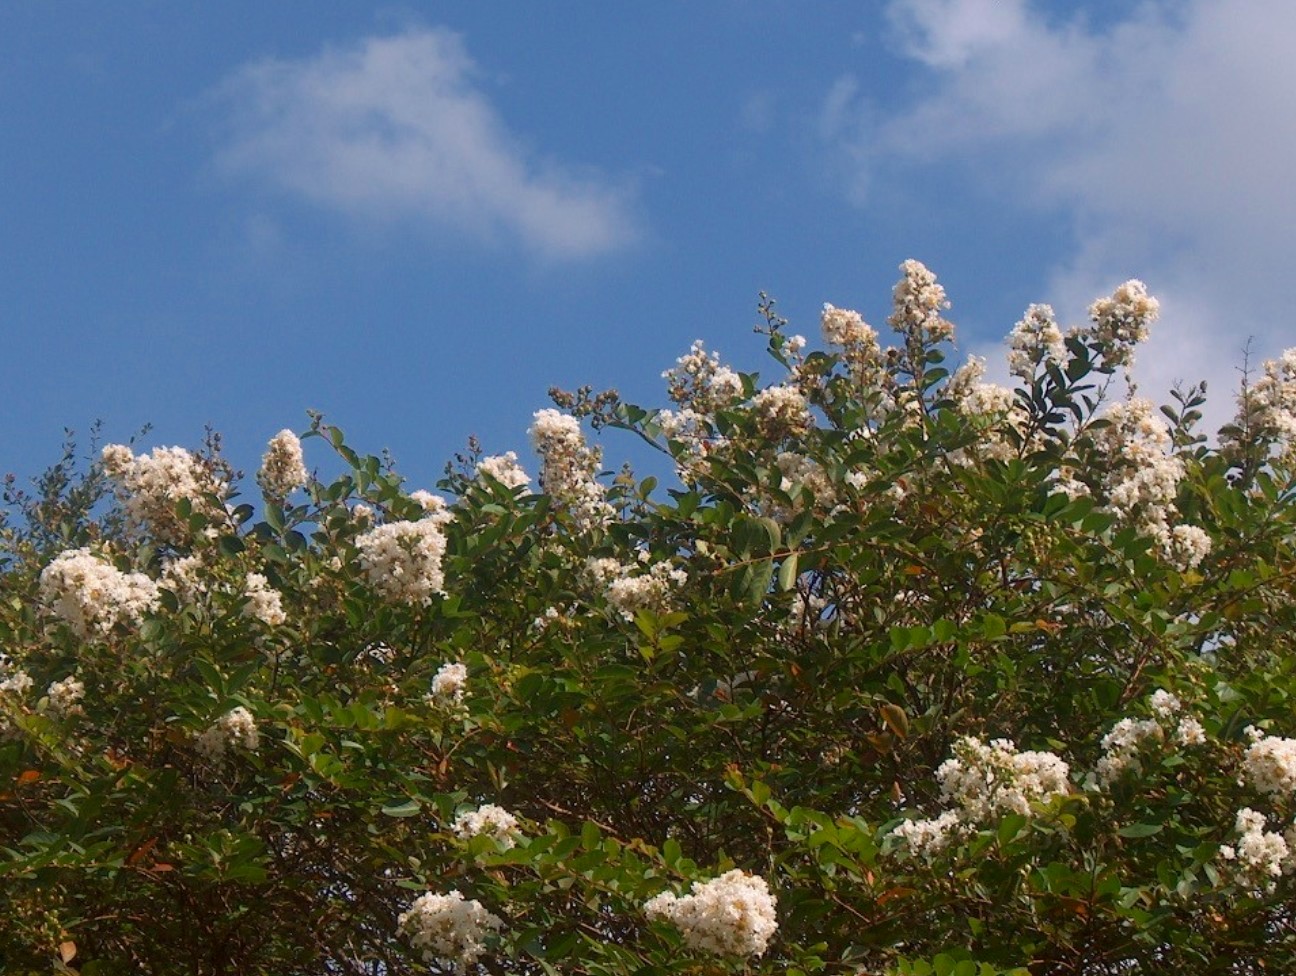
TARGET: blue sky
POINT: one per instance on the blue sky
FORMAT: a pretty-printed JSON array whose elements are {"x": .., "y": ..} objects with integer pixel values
[{"x": 417, "y": 218}]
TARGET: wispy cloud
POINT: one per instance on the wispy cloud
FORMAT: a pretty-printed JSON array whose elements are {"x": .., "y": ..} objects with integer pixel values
[
  {"x": 1164, "y": 138},
  {"x": 398, "y": 128}
]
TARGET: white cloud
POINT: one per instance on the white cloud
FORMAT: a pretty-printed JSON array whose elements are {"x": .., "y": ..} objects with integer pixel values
[
  {"x": 1165, "y": 138},
  {"x": 398, "y": 128}
]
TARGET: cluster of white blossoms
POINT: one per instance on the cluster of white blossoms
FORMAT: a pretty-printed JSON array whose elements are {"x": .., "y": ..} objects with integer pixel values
[
  {"x": 1129, "y": 738},
  {"x": 1142, "y": 479},
  {"x": 64, "y": 697},
  {"x": 92, "y": 595},
  {"x": 857, "y": 340},
  {"x": 264, "y": 602},
  {"x": 1268, "y": 408},
  {"x": 918, "y": 301},
  {"x": 732, "y": 915},
  {"x": 491, "y": 820},
  {"x": 995, "y": 409},
  {"x": 781, "y": 411},
  {"x": 1034, "y": 342},
  {"x": 505, "y": 469},
  {"x": 569, "y": 468},
  {"x": 1121, "y": 322},
  {"x": 13, "y": 681},
  {"x": 235, "y": 729},
  {"x": 1269, "y": 764},
  {"x": 448, "y": 929},
  {"x": 982, "y": 781},
  {"x": 283, "y": 469},
  {"x": 182, "y": 576},
  {"x": 629, "y": 589},
  {"x": 150, "y": 485},
  {"x": 402, "y": 560},
  {"x": 449, "y": 684},
  {"x": 700, "y": 382},
  {"x": 1260, "y": 856}
]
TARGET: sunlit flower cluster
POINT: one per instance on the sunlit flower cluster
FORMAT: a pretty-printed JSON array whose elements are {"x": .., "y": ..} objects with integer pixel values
[
  {"x": 1267, "y": 409},
  {"x": 402, "y": 560},
  {"x": 701, "y": 382},
  {"x": 1034, "y": 342},
  {"x": 449, "y": 684},
  {"x": 569, "y": 468},
  {"x": 732, "y": 915},
  {"x": 857, "y": 340},
  {"x": 994, "y": 409},
  {"x": 505, "y": 469},
  {"x": 491, "y": 820},
  {"x": 1125, "y": 746},
  {"x": 233, "y": 730},
  {"x": 13, "y": 681},
  {"x": 781, "y": 411},
  {"x": 264, "y": 602},
  {"x": 92, "y": 596},
  {"x": 919, "y": 301},
  {"x": 629, "y": 588},
  {"x": 982, "y": 782},
  {"x": 1121, "y": 322},
  {"x": 64, "y": 697},
  {"x": 1269, "y": 764},
  {"x": 1260, "y": 856},
  {"x": 1141, "y": 479},
  {"x": 448, "y": 929},
  {"x": 151, "y": 485},
  {"x": 283, "y": 470}
]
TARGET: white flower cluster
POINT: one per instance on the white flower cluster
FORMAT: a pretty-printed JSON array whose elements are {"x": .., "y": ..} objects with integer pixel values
[
  {"x": 1129, "y": 737},
  {"x": 181, "y": 576},
  {"x": 1121, "y": 321},
  {"x": 448, "y": 929},
  {"x": 918, "y": 302},
  {"x": 264, "y": 602},
  {"x": 993, "y": 408},
  {"x": 13, "y": 681},
  {"x": 402, "y": 560},
  {"x": 697, "y": 439},
  {"x": 982, "y": 781},
  {"x": 924, "y": 838},
  {"x": 1261, "y": 856},
  {"x": 857, "y": 340},
  {"x": 1142, "y": 479},
  {"x": 505, "y": 469},
  {"x": 491, "y": 820},
  {"x": 629, "y": 590},
  {"x": 150, "y": 485},
  {"x": 700, "y": 382},
  {"x": 803, "y": 474},
  {"x": 236, "y": 728},
  {"x": 283, "y": 470},
  {"x": 780, "y": 411},
  {"x": 92, "y": 595},
  {"x": 449, "y": 684},
  {"x": 569, "y": 468},
  {"x": 1268, "y": 408},
  {"x": 64, "y": 697},
  {"x": 1035, "y": 341},
  {"x": 1269, "y": 764},
  {"x": 732, "y": 915}
]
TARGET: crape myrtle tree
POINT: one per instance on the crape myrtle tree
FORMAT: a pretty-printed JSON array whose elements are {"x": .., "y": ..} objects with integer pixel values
[{"x": 912, "y": 673}]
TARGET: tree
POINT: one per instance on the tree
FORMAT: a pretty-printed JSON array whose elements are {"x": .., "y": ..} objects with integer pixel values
[{"x": 911, "y": 673}]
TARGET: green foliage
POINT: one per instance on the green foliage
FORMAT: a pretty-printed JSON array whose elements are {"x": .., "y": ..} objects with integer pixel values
[{"x": 764, "y": 667}]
